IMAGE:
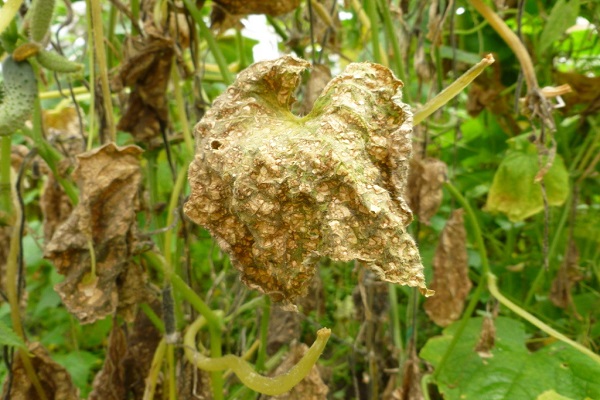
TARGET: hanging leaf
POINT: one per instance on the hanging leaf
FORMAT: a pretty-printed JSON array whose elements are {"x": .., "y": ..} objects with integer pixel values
[
  {"x": 563, "y": 15},
  {"x": 450, "y": 273},
  {"x": 514, "y": 192},
  {"x": 279, "y": 191},
  {"x": 425, "y": 183}
]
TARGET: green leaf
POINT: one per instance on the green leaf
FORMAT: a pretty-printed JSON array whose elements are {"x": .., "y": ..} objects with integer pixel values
[
  {"x": 514, "y": 191},
  {"x": 8, "y": 337},
  {"x": 513, "y": 372},
  {"x": 552, "y": 395},
  {"x": 562, "y": 16}
]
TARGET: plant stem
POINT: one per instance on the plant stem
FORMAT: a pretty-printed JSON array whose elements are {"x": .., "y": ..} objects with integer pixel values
[
  {"x": 6, "y": 216},
  {"x": 96, "y": 12},
  {"x": 371, "y": 7},
  {"x": 493, "y": 287},
  {"x": 157, "y": 360},
  {"x": 92, "y": 81},
  {"x": 212, "y": 43},
  {"x": 393, "y": 39},
  {"x": 264, "y": 335},
  {"x": 451, "y": 91},
  {"x": 182, "y": 114}
]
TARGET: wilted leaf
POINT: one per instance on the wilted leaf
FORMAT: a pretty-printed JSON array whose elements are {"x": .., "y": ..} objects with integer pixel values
[
  {"x": 487, "y": 338},
  {"x": 568, "y": 274},
  {"x": 146, "y": 69},
  {"x": 563, "y": 15},
  {"x": 108, "y": 179},
  {"x": 310, "y": 388},
  {"x": 109, "y": 383},
  {"x": 514, "y": 192},
  {"x": 55, "y": 205},
  {"x": 278, "y": 191},
  {"x": 450, "y": 273},
  {"x": 424, "y": 190},
  {"x": 411, "y": 381},
  {"x": 226, "y": 13},
  {"x": 512, "y": 372},
  {"x": 54, "y": 379}
]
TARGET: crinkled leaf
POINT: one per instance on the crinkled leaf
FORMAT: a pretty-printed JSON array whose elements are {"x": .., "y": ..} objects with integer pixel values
[
  {"x": 108, "y": 178},
  {"x": 513, "y": 372},
  {"x": 514, "y": 191},
  {"x": 278, "y": 191},
  {"x": 8, "y": 337},
  {"x": 563, "y": 15}
]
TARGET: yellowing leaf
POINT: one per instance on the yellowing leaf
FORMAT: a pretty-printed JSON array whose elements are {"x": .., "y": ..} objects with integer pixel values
[{"x": 514, "y": 191}]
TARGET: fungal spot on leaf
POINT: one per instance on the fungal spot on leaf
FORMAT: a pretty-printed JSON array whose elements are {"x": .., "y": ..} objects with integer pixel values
[
  {"x": 215, "y": 145},
  {"x": 286, "y": 190}
]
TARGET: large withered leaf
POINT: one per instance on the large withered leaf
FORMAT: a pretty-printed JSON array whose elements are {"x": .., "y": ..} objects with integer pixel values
[
  {"x": 109, "y": 383},
  {"x": 146, "y": 69},
  {"x": 55, "y": 205},
  {"x": 54, "y": 378},
  {"x": 450, "y": 273},
  {"x": 424, "y": 190},
  {"x": 278, "y": 191},
  {"x": 108, "y": 179}
]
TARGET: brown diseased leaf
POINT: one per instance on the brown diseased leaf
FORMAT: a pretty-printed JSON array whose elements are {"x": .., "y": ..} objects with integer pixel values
[
  {"x": 568, "y": 274},
  {"x": 424, "y": 190},
  {"x": 146, "y": 69},
  {"x": 108, "y": 179},
  {"x": 278, "y": 191},
  {"x": 55, "y": 205},
  {"x": 310, "y": 388},
  {"x": 109, "y": 383},
  {"x": 54, "y": 378},
  {"x": 585, "y": 92},
  {"x": 487, "y": 338},
  {"x": 227, "y": 13},
  {"x": 450, "y": 273}
]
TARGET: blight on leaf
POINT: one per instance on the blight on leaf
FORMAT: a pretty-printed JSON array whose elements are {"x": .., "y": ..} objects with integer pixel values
[
  {"x": 514, "y": 191},
  {"x": 278, "y": 192}
]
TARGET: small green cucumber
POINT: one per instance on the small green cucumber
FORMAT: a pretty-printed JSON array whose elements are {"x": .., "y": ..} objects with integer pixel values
[
  {"x": 20, "y": 92},
  {"x": 40, "y": 17},
  {"x": 56, "y": 62}
]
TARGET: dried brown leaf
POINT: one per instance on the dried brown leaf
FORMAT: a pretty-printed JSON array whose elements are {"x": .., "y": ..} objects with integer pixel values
[
  {"x": 146, "y": 68},
  {"x": 450, "y": 273},
  {"x": 278, "y": 191},
  {"x": 425, "y": 183},
  {"x": 109, "y": 383},
  {"x": 227, "y": 13},
  {"x": 487, "y": 338},
  {"x": 568, "y": 275},
  {"x": 54, "y": 378},
  {"x": 585, "y": 91},
  {"x": 310, "y": 388},
  {"x": 55, "y": 206},
  {"x": 411, "y": 380},
  {"x": 320, "y": 75},
  {"x": 108, "y": 179}
]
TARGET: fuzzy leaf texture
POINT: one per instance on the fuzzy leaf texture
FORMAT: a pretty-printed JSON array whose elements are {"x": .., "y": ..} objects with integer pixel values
[{"x": 278, "y": 191}]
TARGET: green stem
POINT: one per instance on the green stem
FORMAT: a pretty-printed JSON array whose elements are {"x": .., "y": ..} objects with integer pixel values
[
  {"x": 155, "y": 319},
  {"x": 92, "y": 82},
  {"x": 96, "y": 12},
  {"x": 395, "y": 322},
  {"x": 371, "y": 7},
  {"x": 492, "y": 286},
  {"x": 5, "y": 166},
  {"x": 264, "y": 335},
  {"x": 182, "y": 114},
  {"x": 157, "y": 360},
  {"x": 210, "y": 40},
  {"x": 390, "y": 32}
]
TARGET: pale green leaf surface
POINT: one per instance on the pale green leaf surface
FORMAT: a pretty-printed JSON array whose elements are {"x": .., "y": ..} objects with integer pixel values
[
  {"x": 552, "y": 395},
  {"x": 513, "y": 372},
  {"x": 563, "y": 15},
  {"x": 8, "y": 337},
  {"x": 514, "y": 192}
]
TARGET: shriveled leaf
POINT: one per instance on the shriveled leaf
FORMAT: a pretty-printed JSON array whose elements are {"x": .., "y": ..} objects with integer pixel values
[
  {"x": 411, "y": 381},
  {"x": 450, "y": 273},
  {"x": 146, "y": 70},
  {"x": 310, "y": 388},
  {"x": 278, "y": 191},
  {"x": 109, "y": 383},
  {"x": 226, "y": 13},
  {"x": 55, "y": 205},
  {"x": 568, "y": 274},
  {"x": 513, "y": 372},
  {"x": 8, "y": 337},
  {"x": 487, "y": 338},
  {"x": 563, "y": 15},
  {"x": 108, "y": 179},
  {"x": 425, "y": 182},
  {"x": 54, "y": 379},
  {"x": 514, "y": 192}
]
